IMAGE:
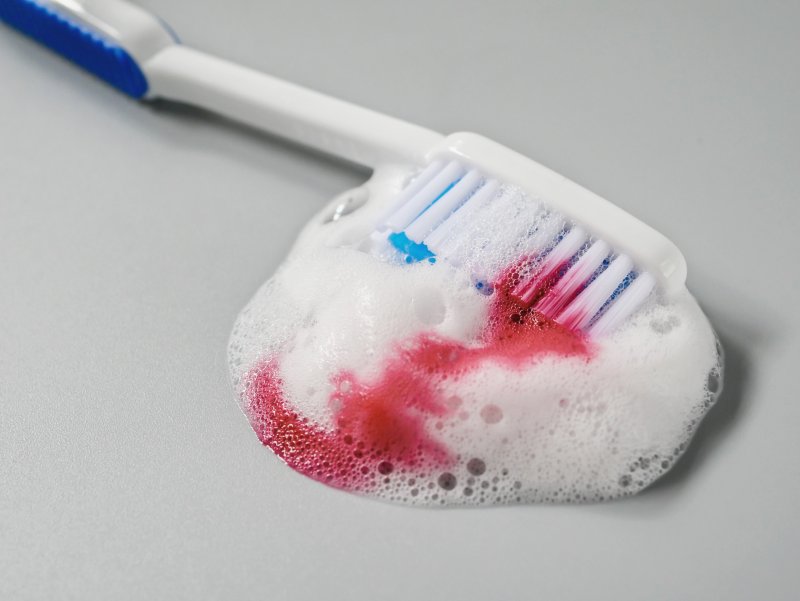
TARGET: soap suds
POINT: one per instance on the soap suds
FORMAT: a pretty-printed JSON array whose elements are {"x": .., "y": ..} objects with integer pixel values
[{"x": 411, "y": 384}]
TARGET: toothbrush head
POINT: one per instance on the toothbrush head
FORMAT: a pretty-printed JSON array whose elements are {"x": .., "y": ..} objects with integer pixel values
[{"x": 565, "y": 252}]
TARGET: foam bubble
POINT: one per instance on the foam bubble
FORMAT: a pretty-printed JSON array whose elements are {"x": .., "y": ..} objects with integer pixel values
[{"x": 412, "y": 384}]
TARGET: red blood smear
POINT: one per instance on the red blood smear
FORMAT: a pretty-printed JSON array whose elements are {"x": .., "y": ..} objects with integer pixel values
[
  {"x": 536, "y": 286},
  {"x": 381, "y": 426}
]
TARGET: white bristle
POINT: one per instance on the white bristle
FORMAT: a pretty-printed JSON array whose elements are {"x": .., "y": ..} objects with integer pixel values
[
  {"x": 545, "y": 228},
  {"x": 568, "y": 246},
  {"x": 626, "y": 303},
  {"x": 411, "y": 209},
  {"x": 444, "y": 207},
  {"x": 509, "y": 228},
  {"x": 474, "y": 239},
  {"x": 411, "y": 190},
  {"x": 581, "y": 311},
  {"x": 474, "y": 204}
]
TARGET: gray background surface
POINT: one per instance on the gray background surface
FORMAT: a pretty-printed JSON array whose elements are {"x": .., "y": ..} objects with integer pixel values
[{"x": 130, "y": 237}]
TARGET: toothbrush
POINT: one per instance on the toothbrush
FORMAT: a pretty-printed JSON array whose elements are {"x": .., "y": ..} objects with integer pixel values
[{"x": 585, "y": 263}]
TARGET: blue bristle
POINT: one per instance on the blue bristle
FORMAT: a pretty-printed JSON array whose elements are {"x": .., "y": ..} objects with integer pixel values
[
  {"x": 414, "y": 251},
  {"x": 79, "y": 44},
  {"x": 484, "y": 287}
]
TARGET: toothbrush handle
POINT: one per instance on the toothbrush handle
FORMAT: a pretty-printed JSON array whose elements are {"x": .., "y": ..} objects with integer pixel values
[
  {"x": 138, "y": 54},
  {"x": 290, "y": 111}
]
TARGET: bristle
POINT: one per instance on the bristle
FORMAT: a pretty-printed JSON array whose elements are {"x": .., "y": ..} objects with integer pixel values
[
  {"x": 580, "y": 311},
  {"x": 452, "y": 211},
  {"x": 551, "y": 264},
  {"x": 442, "y": 208},
  {"x": 568, "y": 287}
]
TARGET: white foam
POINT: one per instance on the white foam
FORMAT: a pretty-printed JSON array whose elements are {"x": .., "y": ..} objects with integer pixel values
[{"x": 571, "y": 429}]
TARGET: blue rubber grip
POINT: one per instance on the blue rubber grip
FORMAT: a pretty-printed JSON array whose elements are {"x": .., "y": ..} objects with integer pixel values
[{"x": 79, "y": 44}]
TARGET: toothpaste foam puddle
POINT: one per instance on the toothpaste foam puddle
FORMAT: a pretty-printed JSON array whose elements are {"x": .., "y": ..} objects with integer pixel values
[{"x": 404, "y": 382}]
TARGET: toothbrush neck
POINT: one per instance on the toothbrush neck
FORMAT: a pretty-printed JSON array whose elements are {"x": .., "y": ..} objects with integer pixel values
[{"x": 336, "y": 127}]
